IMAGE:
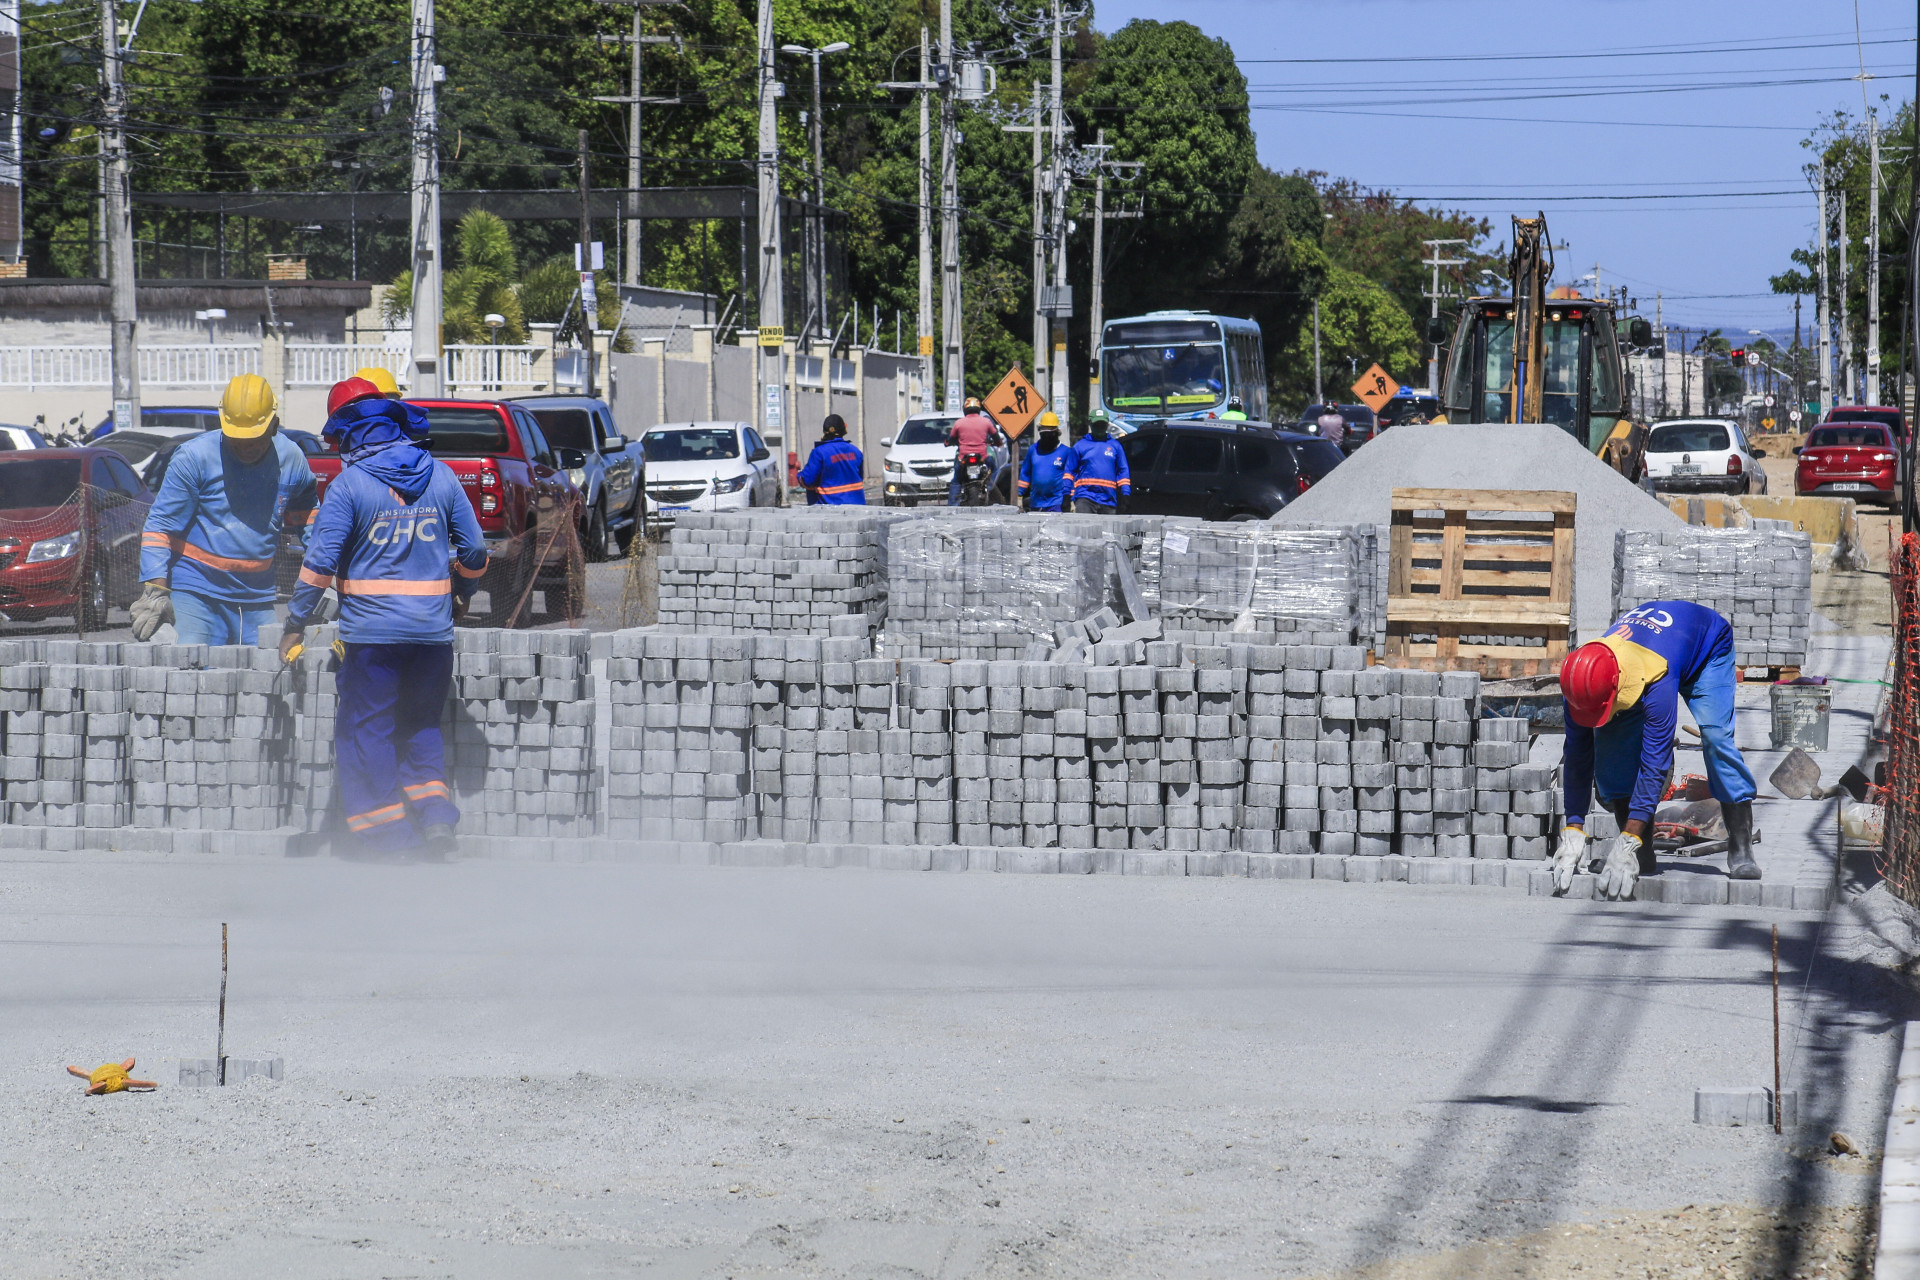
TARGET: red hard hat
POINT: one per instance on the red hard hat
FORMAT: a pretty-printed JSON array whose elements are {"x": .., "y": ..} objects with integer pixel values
[
  {"x": 1589, "y": 681},
  {"x": 346, "y": 392}
]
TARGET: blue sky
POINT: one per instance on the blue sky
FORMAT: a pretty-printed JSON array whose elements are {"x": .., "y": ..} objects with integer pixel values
[{"x": 1702, "y": 104}]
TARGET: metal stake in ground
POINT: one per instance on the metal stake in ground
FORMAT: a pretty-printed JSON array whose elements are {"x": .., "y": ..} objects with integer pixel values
[
  {"x": 1776, "y": 1028},
  {"x": 219, "y": 1046}
]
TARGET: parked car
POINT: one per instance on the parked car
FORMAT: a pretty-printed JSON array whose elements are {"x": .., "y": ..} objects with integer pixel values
[
  {"x": 1362, "y": 423},
  {"x": 65, "y": 550},
  {"x": 919, "y": 462},
  {"x": 1849, "y": 460},
  {"x": 1695, "y": 455},
  {"x": 1887, "y": 416},
  {"x": 709, "y": 466},
  {"x": 183, "y": 417},
  {"x": 12, "y": 437},
  {"x": 1223, "y": 470},
  {"x": 612, "y": 470},
  {"x": 514, "y": 479}
]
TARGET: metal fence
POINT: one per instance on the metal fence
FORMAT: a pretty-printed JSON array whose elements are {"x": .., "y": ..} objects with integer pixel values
[{"x": 465, "y": 368}]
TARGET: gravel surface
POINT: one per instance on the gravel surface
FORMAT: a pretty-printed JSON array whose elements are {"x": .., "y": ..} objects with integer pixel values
[{"x": 513, "y": 1070}]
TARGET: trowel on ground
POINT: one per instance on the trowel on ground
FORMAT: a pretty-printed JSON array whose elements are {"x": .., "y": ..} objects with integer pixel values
[{"x": 1798, "y": 778}]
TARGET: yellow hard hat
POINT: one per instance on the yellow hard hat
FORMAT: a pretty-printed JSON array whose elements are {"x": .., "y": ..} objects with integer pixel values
[
  {"x": 380, "y": 378},
  {"x": 1048, "y": 420},
  {"x": 247, "y": 408}
]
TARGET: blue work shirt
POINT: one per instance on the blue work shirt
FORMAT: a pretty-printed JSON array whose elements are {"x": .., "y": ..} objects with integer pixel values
[
  {"x": 397, "y": 538},
  {"x": 1687, "y": 636},
  {"x": 1100, "y": 471},
  {"x": 1046, "y": 478},
  {"x": 834, "y": 475},
  {"x": 216, "y": 524}
]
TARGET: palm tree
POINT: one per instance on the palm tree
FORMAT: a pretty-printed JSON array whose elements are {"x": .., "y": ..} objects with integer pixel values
[{"x": 482, "y": 283}]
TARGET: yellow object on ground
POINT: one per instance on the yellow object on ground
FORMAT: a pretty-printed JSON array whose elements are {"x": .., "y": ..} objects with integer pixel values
[
  {"x": 111, "y": 1077},
  {"x": 247, "y": 408}
]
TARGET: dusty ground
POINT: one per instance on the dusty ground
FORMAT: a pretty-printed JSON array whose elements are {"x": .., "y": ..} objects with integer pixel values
[{"x": 1707, "y": 1241}]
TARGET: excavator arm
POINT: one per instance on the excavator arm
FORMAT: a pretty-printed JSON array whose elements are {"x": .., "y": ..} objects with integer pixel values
[{"x": 1530, "y": 273}]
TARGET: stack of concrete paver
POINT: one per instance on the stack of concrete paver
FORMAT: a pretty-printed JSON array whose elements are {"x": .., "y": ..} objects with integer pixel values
[
  {"x": 315, "y": 788},
  {"x": 519, "y": 731},
  {"x": 1260, "y": 583},
  {"x": 775, "y": 571},
  {"x": 1760, "y": 580},
  {"x": 214, "y": 745}
]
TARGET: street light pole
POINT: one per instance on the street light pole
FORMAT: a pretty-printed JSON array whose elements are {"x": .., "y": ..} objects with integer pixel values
[
  {"x": 954, "y": 370},
  {"x": 816, "y": 238},
  {"x": 117, "y": 230},
  {"x": 772, "y": 303}
]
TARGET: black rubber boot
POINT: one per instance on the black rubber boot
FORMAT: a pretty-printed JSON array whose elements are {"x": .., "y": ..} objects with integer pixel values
[
  {"x": 1739, "y": 820},
  {"x": 441, "y": 843},
  {"x": 1649, "y": 865}
]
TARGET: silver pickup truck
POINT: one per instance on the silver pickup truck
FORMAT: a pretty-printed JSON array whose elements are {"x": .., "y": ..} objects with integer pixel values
[{"x": 609, "y": 469}]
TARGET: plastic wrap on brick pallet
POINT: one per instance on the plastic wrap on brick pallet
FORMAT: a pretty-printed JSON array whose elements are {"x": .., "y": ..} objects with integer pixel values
[
  {"x": 1260, "y": 578},
  {"x": 1759, "y": 580}
]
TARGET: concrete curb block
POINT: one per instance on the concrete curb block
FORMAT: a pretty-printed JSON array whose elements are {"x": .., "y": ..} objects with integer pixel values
[
  {"x": 1899, "y": 1250},
  {"x": 1675, "y": 888}
]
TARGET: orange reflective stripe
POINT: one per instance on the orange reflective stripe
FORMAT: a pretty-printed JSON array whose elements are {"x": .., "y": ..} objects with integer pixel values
[
  {"x": 377, "y": 817},
  {"x": 178, "y": 544},
  {"x": 422, "y": 790},
  {"x": 1100, "y": 484},
  {"x": 465, "y": 572},
  {"x": 152, "y": 539},
  {"x": 312, "y": 579},
  {"x": 394, "y": 587},
  {"x": 841, "y": 488}
]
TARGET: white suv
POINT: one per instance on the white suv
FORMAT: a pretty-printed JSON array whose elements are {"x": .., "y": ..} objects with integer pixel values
[
  {"x": 1703, "y": 454},
  {"x": 919, "y": 464}
]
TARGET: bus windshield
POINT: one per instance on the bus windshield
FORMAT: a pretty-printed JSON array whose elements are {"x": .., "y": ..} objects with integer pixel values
[{"x": 1186, "y": 378}]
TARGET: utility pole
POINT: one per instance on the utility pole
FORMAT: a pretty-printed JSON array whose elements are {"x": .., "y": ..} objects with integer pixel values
[
  {"x": 1823, "y": 359},
  {"x": 1096, "y": 300},
  {"x": 1039, "y": 251},
  {"x": 426, "y": 206},
  {"x": 1660, "y": 327},
  {"x": 1840, "y": 297},
  {"x": 12, "y": 175},
  {"x": 927, "y": 397},
  {"x": 1061, "y": 308},
  {"x": 772, "y": 339},
  {"x": 118, "y": 231},
  {"x": 955, "y": 364},
  {"x": 589, "y": 299},
  {"x": 1435, "y": 261},
  {"x": 1873, "y": 259},
  {"x": 631, "y": 238},
  {"x": 819, "y": 219},
  {"x": 1318, "y": 398}
]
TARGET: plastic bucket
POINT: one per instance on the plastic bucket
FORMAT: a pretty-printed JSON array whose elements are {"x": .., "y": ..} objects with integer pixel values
[{"x": 1801, "y": 713}]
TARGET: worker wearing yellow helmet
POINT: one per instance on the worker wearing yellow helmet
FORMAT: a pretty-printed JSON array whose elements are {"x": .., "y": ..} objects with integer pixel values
[
  {"x": 1046, "y": 472},
  {"x": 206, "y": 554},
  {"x": 381, "y": 378}
]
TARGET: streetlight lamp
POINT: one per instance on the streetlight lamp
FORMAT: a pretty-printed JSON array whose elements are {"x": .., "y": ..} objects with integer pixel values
[
  {"x": 819, "y": 236},
  {"x": 495, "y": 322}
]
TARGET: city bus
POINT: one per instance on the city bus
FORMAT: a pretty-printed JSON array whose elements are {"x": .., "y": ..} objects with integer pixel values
[{"x": 1181, "y": 364}]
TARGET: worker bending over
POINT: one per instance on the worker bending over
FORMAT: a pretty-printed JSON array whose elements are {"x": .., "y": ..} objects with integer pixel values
[
  {"x": 835, "y": 473},
  {"x": 397, "y": 538},
  {"x": 1100, "y": 479},
  {"x": 206, "y": 554},
  {"x": 1046, "y": 472},
  {"x": 1622, "y": 695}
]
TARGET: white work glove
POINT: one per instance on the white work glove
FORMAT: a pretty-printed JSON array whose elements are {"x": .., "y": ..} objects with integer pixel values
[
  {"x": 1622, "y": 869},
  {"x": 1570, "y": 859},
  {"x": 153, "y": 608}
]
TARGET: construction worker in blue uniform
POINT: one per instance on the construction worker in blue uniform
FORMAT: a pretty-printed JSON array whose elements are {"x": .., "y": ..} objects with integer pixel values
[
  {"x": 1622, "y": 695},
  {"x": 1100, "y": 479},
  {"x": 1046, "y": 472},
  {"x": 835, "y": 473},
  {"x": 206, "y": 553},
  {"x": 398, "y": 540}
]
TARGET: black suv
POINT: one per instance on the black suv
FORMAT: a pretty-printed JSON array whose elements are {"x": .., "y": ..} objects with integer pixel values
[{"x": 1222, "y": 470}]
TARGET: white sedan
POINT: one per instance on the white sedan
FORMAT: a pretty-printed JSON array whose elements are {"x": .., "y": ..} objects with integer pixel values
[
  {"x": 709, "y": 466},
  {"x": 1703, "y": 455}
]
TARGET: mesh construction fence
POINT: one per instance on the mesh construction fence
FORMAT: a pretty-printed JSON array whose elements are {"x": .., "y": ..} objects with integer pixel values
[{"x": 1900, "y": 849}]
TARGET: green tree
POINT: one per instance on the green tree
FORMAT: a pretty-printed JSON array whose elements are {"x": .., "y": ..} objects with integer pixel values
[{"x": 1380, "y": 235}]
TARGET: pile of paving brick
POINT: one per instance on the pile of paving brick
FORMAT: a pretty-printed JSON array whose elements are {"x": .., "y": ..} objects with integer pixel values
[
  {"x": 1260, "y": 583},
  {"x": 1760, "y": 580},
  {"x": 519, "y": 732},
  {"x": 784, "y": 572}
]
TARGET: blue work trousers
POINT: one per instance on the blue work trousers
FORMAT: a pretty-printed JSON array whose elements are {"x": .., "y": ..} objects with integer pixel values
[
  {"x": 387, "y": 743},
  {"x": 1709, "y": 696},
  {"x": 202, "y": 620}
]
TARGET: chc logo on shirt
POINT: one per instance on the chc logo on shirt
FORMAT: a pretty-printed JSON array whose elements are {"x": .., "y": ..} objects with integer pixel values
[
  {"x": 1648, "y": 616},
  {"x": 389, "y": 530}
]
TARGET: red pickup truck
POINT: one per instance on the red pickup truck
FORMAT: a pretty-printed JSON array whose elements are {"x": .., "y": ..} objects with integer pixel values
[{"x": 527, "y": 504}]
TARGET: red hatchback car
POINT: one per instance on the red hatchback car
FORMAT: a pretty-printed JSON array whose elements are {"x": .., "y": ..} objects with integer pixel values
[
  {"x": 70, "y": 522},
  {"x": 1849, "y": 460}
]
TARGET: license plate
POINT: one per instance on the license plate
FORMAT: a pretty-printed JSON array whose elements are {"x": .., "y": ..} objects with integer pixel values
[
  {"x": 1852, "y": 488},
  {"x": 1686, "y": 468}
]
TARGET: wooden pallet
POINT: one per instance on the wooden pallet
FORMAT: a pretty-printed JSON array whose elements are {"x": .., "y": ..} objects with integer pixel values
[{"x": 1467, "y": 562}]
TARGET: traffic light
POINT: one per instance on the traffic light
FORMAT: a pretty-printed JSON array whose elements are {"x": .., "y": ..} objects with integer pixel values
[{"x": 1737, "y": 354}]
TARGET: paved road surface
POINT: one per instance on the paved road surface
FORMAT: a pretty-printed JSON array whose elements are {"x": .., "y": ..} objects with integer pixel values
[{"x": 506, "y": 1070}]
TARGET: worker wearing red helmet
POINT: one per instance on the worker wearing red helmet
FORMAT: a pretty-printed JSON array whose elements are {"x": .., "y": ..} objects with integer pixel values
[{"x": 1622, "y": 696}]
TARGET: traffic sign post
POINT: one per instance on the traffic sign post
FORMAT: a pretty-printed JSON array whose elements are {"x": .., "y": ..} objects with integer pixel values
[{"x": 1375, "y": 388}]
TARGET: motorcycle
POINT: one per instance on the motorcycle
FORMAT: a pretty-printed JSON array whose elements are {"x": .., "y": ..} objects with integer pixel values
[{"x": 973, "y": 471}]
